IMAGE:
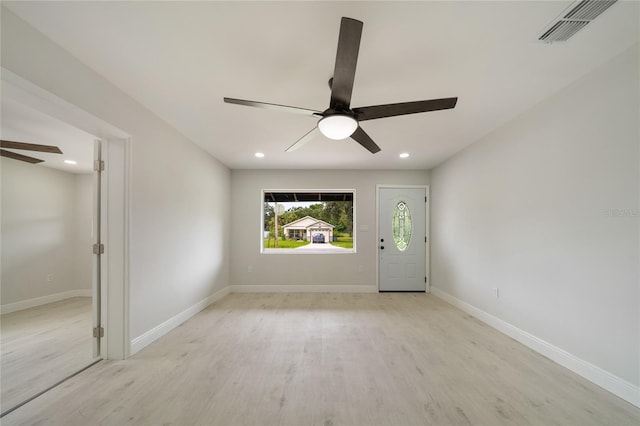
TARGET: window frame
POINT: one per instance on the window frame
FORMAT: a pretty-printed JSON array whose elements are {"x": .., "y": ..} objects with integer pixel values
[{"x": 278, "y": 251}]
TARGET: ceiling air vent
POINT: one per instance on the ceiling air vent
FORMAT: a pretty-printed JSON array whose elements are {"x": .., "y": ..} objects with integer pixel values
[{"x": 572, "y": 20}]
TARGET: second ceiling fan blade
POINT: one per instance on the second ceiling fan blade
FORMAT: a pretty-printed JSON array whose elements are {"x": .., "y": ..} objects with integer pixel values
[
  {"x": 303, "y": 140},
  {"x": 403, "y": 108},
  {"x": 276, "y": 107},
  {"x": 20, "y": 157},
  {"x": 363, "y": 139},
  {"x": 346, "y": 59}
]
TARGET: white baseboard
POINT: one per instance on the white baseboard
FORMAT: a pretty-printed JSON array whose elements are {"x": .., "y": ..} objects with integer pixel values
[
  {"x": 38, "y": 301},
  {"x": 614, "y": 384},
  {"x": 304, "y": 289},
  {"x": 160, "y": 330}
]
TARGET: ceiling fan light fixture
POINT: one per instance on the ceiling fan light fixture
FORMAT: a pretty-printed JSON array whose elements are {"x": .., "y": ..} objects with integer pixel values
[{"x": 337, "y": 126}]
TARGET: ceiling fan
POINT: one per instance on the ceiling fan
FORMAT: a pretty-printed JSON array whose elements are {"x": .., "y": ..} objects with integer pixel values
[
  {"x": 27, "y": 147},
  {"x": 340, "y": 121}
]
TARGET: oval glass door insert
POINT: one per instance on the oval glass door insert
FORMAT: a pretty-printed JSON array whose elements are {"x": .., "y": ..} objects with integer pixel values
[{"x": 401, "y": 226}]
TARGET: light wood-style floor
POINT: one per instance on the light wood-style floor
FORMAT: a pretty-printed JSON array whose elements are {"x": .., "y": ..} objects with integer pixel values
[
  {"x": 41, "y": 346},
  {"x": 329, "y": 359}
]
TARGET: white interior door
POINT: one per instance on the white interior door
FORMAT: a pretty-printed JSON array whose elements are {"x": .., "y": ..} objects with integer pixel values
[
  {"x": 402, "y": 238},
  {"x": 97, "y": 249}
]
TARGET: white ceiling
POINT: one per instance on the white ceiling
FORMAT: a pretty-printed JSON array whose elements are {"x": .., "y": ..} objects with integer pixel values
[
  {"x": 180, "y": 59},
  {"x": 21, "y": 123}
]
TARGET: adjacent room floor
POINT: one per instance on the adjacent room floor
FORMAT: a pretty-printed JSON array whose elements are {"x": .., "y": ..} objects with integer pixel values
[
  {"x": 330, "y": 359},
  {"x": 41, "y": 346}
]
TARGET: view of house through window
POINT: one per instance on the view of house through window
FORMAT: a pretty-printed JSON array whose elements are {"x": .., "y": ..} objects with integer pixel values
[{"x": 308, "y": 221}]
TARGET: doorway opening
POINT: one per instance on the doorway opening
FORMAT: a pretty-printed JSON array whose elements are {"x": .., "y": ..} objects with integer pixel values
[
  {"x": 53, "y": 241},
  {"x": 49, "y": 281}
]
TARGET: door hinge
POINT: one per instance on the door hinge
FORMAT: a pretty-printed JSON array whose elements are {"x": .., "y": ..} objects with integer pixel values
[
  {"x": 425, "y": 198},
  {"x": 98, "y": 165},
  {"x": 425, "y": 279},
  {"x": 98, "y": 248},
  {"x": 98, "y": 332},
  {"x": 425, "y": 239}
]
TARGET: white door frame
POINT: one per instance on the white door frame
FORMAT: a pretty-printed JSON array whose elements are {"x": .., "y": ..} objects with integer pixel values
[
  {"x": 427, "y": 256},
  {"x": 115, "y": 204}
]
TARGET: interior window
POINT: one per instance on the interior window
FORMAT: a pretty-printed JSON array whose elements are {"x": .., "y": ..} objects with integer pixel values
[{"x": 308, "y": 221}]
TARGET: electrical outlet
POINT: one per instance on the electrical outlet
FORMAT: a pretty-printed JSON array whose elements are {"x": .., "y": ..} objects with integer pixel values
[
  {"x": 360, "y": 268},
  {"x": 50, "y": 278},
  {"x": 250, "y": 268},
  {"x": 496, "y": 292}
]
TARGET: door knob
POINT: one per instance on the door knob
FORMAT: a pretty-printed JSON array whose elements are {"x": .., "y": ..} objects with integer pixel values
[
  {"x": 382, "y": 240},
  {"x": 381, "y": 247}
]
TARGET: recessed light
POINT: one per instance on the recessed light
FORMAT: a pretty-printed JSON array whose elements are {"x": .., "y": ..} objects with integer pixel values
[
  {"x": 71, "y": 162},
  {"x": 404, "y": 155},
  {"x": 259, "y": 154}
]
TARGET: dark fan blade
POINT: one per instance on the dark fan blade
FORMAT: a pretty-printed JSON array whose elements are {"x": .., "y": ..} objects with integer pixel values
[
  {"x": 30, "y": 147},
  {"x": 346, "y": 60},
  {"x": 303, "y": 140},
  {"x": 277, "y": 107},
  {"x": 363, "y": 139},
  {"x": 15, "y": 156},
  {"x": 391, "y": 110}
]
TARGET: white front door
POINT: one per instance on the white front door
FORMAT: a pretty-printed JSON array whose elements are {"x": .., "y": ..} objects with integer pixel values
[{"x": 402, "y": 238}]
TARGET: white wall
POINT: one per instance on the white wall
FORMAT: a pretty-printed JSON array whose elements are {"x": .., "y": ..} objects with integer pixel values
[
  {"x": 40, "y": 234},
  {"x": 179, "y": 194},
  {"x": 530, "y": 209},
  {"x": 307, "y": 270}
]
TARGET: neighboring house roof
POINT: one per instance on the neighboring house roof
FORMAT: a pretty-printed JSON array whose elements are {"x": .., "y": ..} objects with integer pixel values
[
  {"x": 307, "y": 222},
  {"x": 321, "y": 224}
]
